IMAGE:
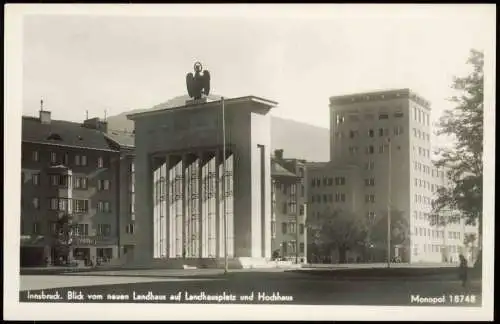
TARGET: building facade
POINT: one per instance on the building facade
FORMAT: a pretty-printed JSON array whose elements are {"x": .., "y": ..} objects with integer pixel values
[
  {"x": 71, "y": 184},
  {"x": 387, "y": 136},
  {"x": 191, "y": 203},
  {"x": 289, "y": 208}
]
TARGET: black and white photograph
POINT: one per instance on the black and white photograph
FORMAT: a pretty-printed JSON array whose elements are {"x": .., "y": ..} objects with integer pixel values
[{"x": 249, "y": 161}]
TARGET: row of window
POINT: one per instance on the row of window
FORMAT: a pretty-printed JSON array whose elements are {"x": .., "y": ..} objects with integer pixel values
[
  {"x": 421, "y": 199},
  {"x": 79, "y": 182},
  {"x": 382, "y": 132},
  {"x": 370, "y": 149},
  {"x": 421, "y": 116},
  {"x": 423, "y": 151},
  {"x": 290, "y": 208},
  {"x": 79, "y": 160},
  {"x": 75, "y": 230},
  {"x": 291, "y": 228},
  {"x": 340, "y": 119},
  {"x": 421, "y": 183},
  {"x": 418, "y": 166},
  {"x": 421, "y": 135},
  {"x": 438, "y": 248},
  {"x": 328, "y": 182},
  {"x": 339, "y": 197},
  {"x": 78, "y": 205}
]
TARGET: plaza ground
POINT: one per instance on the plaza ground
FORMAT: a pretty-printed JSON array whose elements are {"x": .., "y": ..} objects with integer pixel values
[{"x": 303, "y": 286}]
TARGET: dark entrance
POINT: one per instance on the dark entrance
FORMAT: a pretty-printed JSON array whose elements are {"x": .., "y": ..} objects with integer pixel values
[{"x": 32, "y": 256}]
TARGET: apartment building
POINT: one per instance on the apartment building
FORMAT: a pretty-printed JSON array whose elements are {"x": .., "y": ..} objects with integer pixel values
[
  {"x": 72, "y": 172},
  {"x": 288, "y": 211},
  {"x": 386, "y": 135}
]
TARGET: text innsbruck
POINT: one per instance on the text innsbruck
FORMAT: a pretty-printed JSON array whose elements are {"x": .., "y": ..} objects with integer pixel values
[{"x": 155, "y": 297}]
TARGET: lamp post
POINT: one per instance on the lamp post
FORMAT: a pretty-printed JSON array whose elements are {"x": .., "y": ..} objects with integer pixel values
[
  {"x": 389, "y": 192},
  {"x": 224, "y": 184}
]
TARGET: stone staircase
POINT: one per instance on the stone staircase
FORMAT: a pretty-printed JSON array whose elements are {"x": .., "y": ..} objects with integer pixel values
[{"x": 233, "y": 263}]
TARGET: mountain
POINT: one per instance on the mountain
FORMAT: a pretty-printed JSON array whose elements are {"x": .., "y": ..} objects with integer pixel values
[{"x": 298, "y": 140}]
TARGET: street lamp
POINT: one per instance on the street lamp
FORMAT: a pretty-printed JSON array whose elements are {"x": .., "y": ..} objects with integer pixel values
[
  {"x": 389, "y": 205},
  {"x": 224, "y": 183}
]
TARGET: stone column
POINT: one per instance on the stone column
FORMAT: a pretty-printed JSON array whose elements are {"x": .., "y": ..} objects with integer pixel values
[
  {"x": 167, "y": 206},
  {"x": 200, "y": 204}
]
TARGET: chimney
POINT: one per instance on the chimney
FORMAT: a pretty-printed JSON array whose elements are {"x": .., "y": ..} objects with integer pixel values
[
  {"x": 44, "y": 114},
  {"x": 278, "y": 154},
  {"x": 96, "y": 123}
]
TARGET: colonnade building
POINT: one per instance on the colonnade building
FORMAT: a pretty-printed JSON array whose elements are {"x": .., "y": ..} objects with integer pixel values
[{"x": 183, "y": 195}]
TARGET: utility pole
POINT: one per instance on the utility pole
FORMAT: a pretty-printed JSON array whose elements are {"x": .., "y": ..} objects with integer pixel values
[
  {"x": 297, "y": 223},
  {"x": 389, "y": 192},
  {"x": 224, "y": 184}
]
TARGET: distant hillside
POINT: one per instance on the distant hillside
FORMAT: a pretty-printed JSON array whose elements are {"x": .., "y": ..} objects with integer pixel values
[{"x": 298, "y": 140}]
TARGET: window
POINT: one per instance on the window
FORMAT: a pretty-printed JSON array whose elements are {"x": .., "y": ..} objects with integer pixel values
[
  {"x": 301, "y": 210},
  {"x": 53, "y": 157},
  {"x": 398, "y": 114},
  {"x": 398, "y": 130},
  {"x": 340, "y": 119},
  {"x": 301, "y": 246},
  {"x": 330, "y": 182},
  {"x": 383, "y": 116},
  {"x": 301, "y": 172},
  {"x": 383, "y": 148},
  {"x": 339, "y": 181},
  {"x": 79, "y": 182},
  {"x": 84, "y": 160},
  {"x": 131, "y": 227},
  {"x": 36, "y": 203},
  {"x": 369, "y": 149},
  {"x": 371, "y": 133},
  {"x": 370, "y": 198},
  {"x": 36, "y": 179},
  {"x": 302, "y": 190},
  {"x": 284, "y": 208},
  {"x": 371, "y": 215},
  {"x": 104, "y": 229},
  {"x": 36, "y": 228},
  {"x": 80, "y": 205},
  {"x": 325, "y": 199},
  {"x": 301, "y": 229},
  {"x": 380, "y": 132},
  {"x": 100, "y": 162},
  {"x": 81, "y": 229},
  {"x": 353, "y": 150},
  {"x": 369, "y": 165},
  {"x": 370, "y": 182},
  {"x": 103, "y": 184},
  {"x": 283, "y": 227},
  {"x": 293, "y": 227},
  {"x": 340, "y": 197},
  {"x": 35, "y": 156}
]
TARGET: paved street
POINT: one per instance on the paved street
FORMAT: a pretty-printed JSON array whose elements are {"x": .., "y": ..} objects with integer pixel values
[{"x": 303, "y": 287}]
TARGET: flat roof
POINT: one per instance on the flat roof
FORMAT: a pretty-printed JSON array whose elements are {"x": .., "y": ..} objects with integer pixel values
[{"x": 194, "y": 105}]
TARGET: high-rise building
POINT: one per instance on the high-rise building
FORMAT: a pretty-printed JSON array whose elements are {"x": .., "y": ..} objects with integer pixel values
[{"x": 386, "y": 136}]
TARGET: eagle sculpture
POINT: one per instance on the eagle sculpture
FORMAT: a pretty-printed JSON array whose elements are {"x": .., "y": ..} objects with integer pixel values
[{"x": 199, "y": 83}]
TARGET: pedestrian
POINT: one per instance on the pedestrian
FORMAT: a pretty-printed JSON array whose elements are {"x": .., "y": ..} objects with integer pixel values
[{"x": 462, "y": 270}]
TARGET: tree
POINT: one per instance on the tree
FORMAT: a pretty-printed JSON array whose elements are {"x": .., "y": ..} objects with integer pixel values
[
  {"x": 341, "y": 231},
  {"x": 62, "y": 237},
  {"x": 464, "y": 124},
  {"x": 400, "y": 229}
]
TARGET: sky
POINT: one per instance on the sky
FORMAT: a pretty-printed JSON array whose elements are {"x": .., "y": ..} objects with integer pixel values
[{"x": 298, "y": 57}]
